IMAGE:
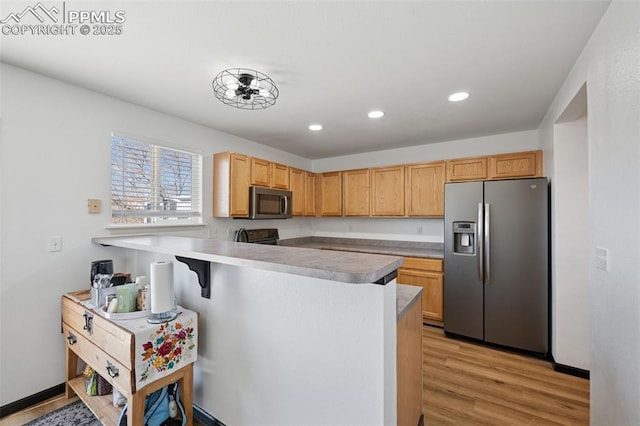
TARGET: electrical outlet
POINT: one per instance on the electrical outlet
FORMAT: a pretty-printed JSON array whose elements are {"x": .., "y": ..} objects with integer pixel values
[
  {"x": 213, "y": 233},
  {"x": 602, "y": 259},
  {"x": 93, "y": 205},
  {"x": 54, "y": 244},
  {"x": 420, "y": 230}
]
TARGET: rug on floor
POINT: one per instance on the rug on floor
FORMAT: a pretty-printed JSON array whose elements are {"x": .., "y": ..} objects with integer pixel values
[{"x": 76, "y": 414}]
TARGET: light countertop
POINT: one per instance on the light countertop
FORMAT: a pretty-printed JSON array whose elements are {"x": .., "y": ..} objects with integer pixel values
[
  {"x": 388, "y": 247},
  {"x": 348, "y": 267},
  {"x": 406, "y": 296}
]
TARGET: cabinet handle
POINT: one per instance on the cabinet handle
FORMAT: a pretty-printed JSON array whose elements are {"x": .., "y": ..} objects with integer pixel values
[
  {"x": 112, "y": 370},
  {"x": 88, "y": 322},
  {"x": 72, "y": 338}
]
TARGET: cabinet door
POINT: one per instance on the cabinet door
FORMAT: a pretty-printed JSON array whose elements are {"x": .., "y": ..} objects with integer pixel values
[
  {"x": 432, "y": 290},
  {"x": 279, "y": 176},
  {"x": 467, "y": 169},
  {"x": 297, "y": 186},
  {"x": 239, "y": 173},
  {"x": 355, "y": 192},
  {"x": 309, "y": 194},
  {"x": 330, "y": 193},
  {"x": 519, "y": 164},
  {"x": 425, "y": 189},
  {"x": 231, "y": 175},
  {"x": 260, "y": 172},
  {"x": 387, "y": 191}
]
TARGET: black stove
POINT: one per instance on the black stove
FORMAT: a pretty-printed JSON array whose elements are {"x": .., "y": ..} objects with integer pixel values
[{"x": 257, "y": 236}]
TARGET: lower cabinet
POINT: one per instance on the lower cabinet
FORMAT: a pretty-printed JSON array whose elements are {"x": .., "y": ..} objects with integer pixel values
[{"x": 426, "y": 273}]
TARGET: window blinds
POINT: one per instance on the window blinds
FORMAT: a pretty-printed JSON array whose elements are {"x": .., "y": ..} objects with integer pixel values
[{"x": 153, "y": 184}]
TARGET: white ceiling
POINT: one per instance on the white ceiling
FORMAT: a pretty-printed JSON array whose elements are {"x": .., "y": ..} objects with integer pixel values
[{"x": 333, "y": 61}]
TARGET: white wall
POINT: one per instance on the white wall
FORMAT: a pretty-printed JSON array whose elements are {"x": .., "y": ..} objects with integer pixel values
[
  {"x": 496, "y": 144},
  {"x": 610, "y": 65},
  {"x": 280, "y": 349},
  {"x": 55, "y": 154},
  {"x": 430, "y": 230},
  {"x": 570, "y": 295}
]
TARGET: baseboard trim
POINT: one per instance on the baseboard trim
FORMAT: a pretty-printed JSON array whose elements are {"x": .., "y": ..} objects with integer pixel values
[
  {"x": 204, "y": 417},
  {"x": 21, "y": 404},
  {"x": 573, "y": 371}
]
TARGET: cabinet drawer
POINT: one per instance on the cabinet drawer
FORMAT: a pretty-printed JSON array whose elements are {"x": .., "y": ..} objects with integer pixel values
[
  {"x": 423, "y": 264},
  {"x": 99, "y": 360},
  {"x": 103, "y": 333}
]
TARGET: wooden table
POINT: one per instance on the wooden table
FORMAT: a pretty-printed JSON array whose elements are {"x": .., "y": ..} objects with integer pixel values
[{"x": 109, "y": 350}]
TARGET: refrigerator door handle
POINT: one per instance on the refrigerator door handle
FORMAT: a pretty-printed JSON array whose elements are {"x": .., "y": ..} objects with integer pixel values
[
  {"x": 487, "y": 242},
  {"x": 480, "y": 243}
]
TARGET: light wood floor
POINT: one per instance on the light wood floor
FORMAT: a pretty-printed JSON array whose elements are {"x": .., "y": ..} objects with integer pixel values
[{"x": 467, "y": 383}]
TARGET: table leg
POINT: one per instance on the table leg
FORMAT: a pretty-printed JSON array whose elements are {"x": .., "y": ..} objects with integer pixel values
[
  {"x": 135, "y": 413},
  {"x": 185, "y": 385},
  {"x": 72, "y": 371}
]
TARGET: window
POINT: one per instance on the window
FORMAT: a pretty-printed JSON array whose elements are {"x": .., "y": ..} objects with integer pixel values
[{"x": 153, "y": 184}]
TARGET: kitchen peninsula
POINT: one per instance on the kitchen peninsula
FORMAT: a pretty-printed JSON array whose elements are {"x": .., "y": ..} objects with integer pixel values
[{"x": 289, "y": 335}]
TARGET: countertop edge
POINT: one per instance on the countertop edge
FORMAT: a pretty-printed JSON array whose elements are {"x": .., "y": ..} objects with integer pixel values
[
  {"x": 252, "y": 256},
  {"x": 406, "y": 297}
]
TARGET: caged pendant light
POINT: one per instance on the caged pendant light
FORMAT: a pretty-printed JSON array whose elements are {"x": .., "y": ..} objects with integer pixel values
[{"x": 245, "y": 88}]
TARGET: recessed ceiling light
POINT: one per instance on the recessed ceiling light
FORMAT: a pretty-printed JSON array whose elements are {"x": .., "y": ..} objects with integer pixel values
[
  {"x": 315, "y": 127},
  {"x": 458, "y": 96},
  {"x": 376, "y": 114}
]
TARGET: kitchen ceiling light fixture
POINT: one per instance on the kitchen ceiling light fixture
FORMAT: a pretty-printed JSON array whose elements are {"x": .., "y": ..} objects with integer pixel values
[
  {"x": 245, "y": 88},
  {"x": 376, "y": 114},
  {"x": 315, "y": 127},
  {"x": 458, "y": 96}
]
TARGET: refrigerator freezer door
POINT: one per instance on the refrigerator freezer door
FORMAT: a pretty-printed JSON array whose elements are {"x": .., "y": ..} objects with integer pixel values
[
  {"x": 463, "y": 293},
  {"x": 516, "y": 297}
]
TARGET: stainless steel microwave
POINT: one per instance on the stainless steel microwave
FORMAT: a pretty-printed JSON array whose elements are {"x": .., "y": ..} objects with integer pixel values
[{"x": 268, "y": 203}]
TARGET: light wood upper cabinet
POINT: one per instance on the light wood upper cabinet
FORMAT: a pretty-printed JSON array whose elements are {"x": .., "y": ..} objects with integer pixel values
[
  {"x": 310, "y": 194},
  {"x": 231, "y": 176},
  {"x": 425, "y": 189},
  {"x": 260, "y": 172},
  {"x": 387, "y": 191},
  {"x": 355, "y": 192},
  {"x": 467, "y": 169},
  {"x": 494, "y": 167},
  {"x": 330, "y": 193},
  {"x": 297, "y": 186},
  {"x": 279, "y": 176},
  {"x": 519, "y": 164}
]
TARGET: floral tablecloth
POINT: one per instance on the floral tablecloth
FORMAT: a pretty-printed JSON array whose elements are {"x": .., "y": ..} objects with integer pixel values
[{"x": 161, "y": 349}]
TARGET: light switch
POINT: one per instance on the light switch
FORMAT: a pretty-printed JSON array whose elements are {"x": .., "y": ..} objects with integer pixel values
[
  {"x": 94, "y": 205},
  {"x": 602, "y": 259}
]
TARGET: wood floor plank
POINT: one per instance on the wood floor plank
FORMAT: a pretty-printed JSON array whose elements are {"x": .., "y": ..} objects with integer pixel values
[{"x": 505, "y": 387}]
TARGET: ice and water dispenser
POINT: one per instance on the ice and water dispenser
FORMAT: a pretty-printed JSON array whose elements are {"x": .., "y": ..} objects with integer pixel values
[{"x": 464, "y": 238}]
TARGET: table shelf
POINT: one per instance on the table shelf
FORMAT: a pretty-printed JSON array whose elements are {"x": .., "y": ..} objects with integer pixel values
[{"x": 100, "y": 405}]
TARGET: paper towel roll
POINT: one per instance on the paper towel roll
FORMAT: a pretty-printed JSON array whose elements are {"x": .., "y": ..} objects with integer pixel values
[{"x": 161, "y": 277}]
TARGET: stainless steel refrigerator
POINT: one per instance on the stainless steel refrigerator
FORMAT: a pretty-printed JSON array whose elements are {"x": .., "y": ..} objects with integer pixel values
[{"x": 496, "y": 262}]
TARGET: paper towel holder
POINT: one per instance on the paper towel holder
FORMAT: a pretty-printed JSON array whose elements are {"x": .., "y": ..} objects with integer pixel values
[{"x": 162, "y": 295}]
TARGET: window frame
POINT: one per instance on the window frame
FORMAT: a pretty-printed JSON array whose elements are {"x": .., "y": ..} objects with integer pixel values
[{"x": 156, "y": 219}]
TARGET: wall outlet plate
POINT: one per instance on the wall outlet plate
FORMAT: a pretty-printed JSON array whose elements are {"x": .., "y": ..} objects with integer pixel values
[
  {"x": 94, "y": 205},
  {"x": 54, "y": 243},
  {"x": 602, "y": 259}
]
